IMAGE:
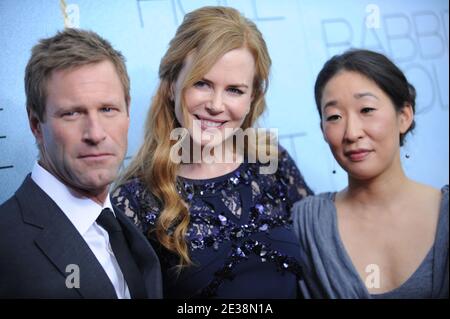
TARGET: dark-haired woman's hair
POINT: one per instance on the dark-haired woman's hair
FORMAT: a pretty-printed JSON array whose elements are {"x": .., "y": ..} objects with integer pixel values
[{"x": 375, "y": 67}]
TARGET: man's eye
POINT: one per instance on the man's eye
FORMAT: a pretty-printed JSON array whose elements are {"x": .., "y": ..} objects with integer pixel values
[
  {"x": 70, "y": 114},
  {"x": 109, "y": 109}
]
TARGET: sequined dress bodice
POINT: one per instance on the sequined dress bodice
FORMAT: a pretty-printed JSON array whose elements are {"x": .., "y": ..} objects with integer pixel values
[{"x": 240, "y": 237}]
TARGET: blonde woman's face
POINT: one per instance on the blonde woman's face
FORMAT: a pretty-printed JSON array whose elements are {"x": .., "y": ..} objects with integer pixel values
[{"x": 218, "y": 103}]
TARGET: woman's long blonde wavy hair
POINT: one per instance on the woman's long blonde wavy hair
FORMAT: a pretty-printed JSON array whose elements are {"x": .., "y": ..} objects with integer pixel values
[{"x": 208, "y": 33}]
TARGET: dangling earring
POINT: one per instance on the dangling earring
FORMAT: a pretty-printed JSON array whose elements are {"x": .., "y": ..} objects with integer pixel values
[{"x": 406, "y": 152}]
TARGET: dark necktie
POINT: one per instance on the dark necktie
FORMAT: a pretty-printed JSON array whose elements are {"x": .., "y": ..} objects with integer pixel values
[{"x": 123, "y": 254}]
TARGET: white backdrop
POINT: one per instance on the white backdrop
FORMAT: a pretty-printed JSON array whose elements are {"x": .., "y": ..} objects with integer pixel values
[{"x": 301, "y": 36}]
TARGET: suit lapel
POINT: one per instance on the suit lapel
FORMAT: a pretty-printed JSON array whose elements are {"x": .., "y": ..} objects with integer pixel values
[
  {"x": 60, "y": 241},
  {"x": 145, "y": 257}
]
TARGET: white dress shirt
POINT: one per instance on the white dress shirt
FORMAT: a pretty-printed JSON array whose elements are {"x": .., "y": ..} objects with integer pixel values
[{"x": 83, "y": 213}]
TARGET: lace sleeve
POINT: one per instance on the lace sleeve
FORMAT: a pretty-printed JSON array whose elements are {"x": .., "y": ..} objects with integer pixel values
[
  {"x": 128, "y": 198},
  {"x": 297, "y": 187}
]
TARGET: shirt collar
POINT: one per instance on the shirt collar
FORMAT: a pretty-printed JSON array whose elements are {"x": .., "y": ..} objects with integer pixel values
[{"x": 81, "y": 211}]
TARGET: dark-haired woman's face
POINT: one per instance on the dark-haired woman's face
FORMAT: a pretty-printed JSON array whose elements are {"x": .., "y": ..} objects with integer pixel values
[{"x": 361, "y": 125}]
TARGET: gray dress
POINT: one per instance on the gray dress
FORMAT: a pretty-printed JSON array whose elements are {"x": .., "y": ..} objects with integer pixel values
[{"x": 329, "y": 271}]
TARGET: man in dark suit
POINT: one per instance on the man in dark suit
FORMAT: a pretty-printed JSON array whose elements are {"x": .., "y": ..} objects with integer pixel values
[{"x": 60, "y": 236}]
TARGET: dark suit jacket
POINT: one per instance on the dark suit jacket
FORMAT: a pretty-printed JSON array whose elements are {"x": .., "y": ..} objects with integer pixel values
[{"x": 38, "y": 242}]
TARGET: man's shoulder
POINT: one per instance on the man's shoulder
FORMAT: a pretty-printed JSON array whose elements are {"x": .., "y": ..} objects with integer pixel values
[
  {"x": 11, "y": 204},
  {"x": 11, "y": 210},
  {"x": 11, "y": 220}
]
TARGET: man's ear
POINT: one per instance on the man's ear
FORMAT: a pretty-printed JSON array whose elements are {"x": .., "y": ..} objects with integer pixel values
[
  {"x": 35, "y": 125},
  {"x": 128, "y": 101},
  {"x": 406, "y": 117}
]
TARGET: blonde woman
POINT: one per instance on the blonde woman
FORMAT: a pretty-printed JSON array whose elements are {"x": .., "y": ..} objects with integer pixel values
[{"x": 222, "y": 228}]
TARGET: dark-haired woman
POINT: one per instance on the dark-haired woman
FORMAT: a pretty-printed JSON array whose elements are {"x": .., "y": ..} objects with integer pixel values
[{"x": 384, "y": 235}]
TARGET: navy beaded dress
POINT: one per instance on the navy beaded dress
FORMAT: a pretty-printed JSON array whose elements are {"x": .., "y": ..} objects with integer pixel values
[{"x": 240, "y": 237}]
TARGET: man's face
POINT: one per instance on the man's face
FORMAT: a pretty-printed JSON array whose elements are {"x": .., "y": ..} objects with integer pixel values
[{"x": 83, "y": 138}]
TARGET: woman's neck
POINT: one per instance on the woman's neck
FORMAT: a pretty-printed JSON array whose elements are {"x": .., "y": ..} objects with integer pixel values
[
  {"x": 380, "y": 191},
  {"x": 206, "y": 170}
]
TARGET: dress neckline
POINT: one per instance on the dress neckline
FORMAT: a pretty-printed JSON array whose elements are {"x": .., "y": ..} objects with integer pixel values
[
  {"x": 349, "y": 263},
  {"x": 212, "y": 179}
]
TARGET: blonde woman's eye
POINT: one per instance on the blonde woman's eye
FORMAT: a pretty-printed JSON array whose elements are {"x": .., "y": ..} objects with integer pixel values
[
  {"x": 235, "y": 91},
  {"x": 200, "y": 84}
]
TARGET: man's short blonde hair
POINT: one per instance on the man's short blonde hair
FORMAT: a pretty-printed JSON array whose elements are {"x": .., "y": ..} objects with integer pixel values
[{"x": 67, "y": 49}]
